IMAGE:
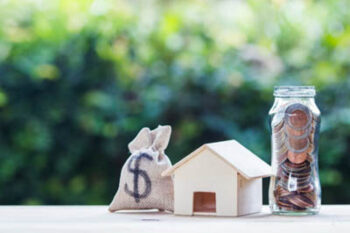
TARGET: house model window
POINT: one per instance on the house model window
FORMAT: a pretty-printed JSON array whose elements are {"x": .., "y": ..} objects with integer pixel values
[{"x": 222, "y": 179}]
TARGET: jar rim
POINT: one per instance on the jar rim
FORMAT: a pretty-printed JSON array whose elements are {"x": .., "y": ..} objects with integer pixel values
[{"x": 294, "y": 91}]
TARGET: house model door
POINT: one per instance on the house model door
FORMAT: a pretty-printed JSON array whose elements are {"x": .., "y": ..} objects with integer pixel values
[{"x": 204, "y": 202}]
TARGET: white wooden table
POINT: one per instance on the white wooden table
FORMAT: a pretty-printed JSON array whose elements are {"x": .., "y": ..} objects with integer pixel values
[{"x": 332, "y": 218}]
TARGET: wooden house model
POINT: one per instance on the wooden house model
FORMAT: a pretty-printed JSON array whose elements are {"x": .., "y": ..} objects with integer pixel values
[{"x": 221, "y": 179}]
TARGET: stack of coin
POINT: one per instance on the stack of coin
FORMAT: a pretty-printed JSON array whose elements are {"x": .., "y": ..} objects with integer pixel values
[
  {"x": 293, "y": 141},
  {"x": 294, "y": 200}
]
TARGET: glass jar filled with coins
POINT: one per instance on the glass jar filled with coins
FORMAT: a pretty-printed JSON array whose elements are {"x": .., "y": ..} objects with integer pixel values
[{"x": 295, "y": 123}]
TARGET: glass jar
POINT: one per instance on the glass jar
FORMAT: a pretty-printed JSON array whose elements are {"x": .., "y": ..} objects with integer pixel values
[{"x": 295, "y": 124}]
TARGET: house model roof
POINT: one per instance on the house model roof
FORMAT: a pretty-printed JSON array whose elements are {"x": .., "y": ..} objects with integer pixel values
[{"x": 234, "y": 154}]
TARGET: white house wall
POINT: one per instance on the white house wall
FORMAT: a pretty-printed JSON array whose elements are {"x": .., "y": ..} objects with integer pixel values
[
  {"x": 249, "y": 195},
  {"x": 205, "y": 173}
]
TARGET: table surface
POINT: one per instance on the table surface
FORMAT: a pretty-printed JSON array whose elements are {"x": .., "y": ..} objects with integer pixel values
[{"x": 332, "y": 218}]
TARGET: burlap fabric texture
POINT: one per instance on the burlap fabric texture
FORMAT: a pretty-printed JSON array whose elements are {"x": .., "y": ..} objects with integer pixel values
[{"x": 141, "y": 185}]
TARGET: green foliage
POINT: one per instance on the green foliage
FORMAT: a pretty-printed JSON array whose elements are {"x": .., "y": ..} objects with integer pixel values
[{"x": 78, "y": 79}]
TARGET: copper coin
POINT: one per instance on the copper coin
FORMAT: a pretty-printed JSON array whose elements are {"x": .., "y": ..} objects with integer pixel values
[
  {"x": 296, "y": 187},
  {"x": 286, "y": 203},
  {"x": 300, "y": 175},
  {"x": 282, "y": 157},
  {"x": 278, "y": 127},
  {"x": 311, "y": 195},
  {"x": 279, "y": 134},
  {"x": 278, "y": 139},
  {"x": 281, "y": 149},
  {"x": 289, "y": 200},
  {"x": 298, "y": 116},
  {"x": 303, "y": 175},
  {"x": 297, "y": 134},
  {"x": 283, "y": 203},
  {"x": 297, "y": 145},
  {"x": 293, "y": 208},
  {"x": 311, "y": 148},
  {"x": 293, "y": 167},
  {"x": 281, "y": 192},
  {"x": 297, "y": 157},
  {"x": 301, "y": 201},
  {"x": 308, "y": 189},
  {"x": 289, "y": 167},
  {"x": 309, "y": 158}
]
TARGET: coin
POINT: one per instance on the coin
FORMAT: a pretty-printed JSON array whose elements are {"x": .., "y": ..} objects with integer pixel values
[
  {"x": 293, "y": 144},
  {"x": 293, "y": 167},
  {"x": 308, "y": 189},
  {"x": 278, "y": 127},
  {"x": 297, "y": 145},
  {"x": 291, "y": 203},
  {"x": 295, "y": 186},
  {"x": 301, "y": 201},
  {"x": 301, "y": 174},
  {"x": 297, "y": 134},
  {"x": 282, "y": 157},
  {"x": 298, "y": 116},
  {"x": 310, "y": 158},
  {"x": 297, "y": 157}
]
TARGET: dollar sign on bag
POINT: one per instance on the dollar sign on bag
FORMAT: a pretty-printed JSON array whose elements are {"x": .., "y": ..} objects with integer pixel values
[{"x": 137, "y": 173}]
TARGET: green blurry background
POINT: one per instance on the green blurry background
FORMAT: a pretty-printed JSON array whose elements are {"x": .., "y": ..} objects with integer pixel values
[{"x": 78, "y": 79}]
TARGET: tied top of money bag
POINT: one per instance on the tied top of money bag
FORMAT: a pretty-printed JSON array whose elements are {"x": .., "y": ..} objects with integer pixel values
[{"x": 141, "y": 185}]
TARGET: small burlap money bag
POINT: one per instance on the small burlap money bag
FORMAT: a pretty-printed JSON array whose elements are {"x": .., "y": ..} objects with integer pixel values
[{"x": 141, "y": 185}]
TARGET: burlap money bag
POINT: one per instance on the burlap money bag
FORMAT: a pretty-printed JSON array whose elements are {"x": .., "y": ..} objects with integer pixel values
[{"x": 141, "y": 185}]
